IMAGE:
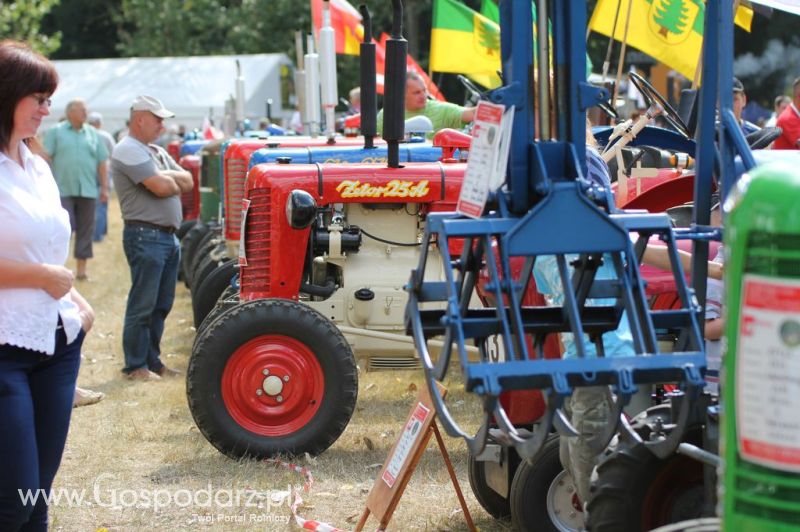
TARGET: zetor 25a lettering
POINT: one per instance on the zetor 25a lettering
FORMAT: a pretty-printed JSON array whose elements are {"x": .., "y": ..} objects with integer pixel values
[{"x": 393, "y": 189}]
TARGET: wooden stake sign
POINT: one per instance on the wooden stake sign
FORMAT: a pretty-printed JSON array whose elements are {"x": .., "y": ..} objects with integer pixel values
[{"x": 403, "y": 459}]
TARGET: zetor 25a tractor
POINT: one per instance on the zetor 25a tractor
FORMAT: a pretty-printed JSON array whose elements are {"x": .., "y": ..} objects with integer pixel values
[{"x": 325, "y": 253}]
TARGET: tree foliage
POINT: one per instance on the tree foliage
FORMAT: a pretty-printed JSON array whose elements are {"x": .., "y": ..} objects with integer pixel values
[
  {"x": 87, "y": 28},
  {"x": 22, "y": 20}
]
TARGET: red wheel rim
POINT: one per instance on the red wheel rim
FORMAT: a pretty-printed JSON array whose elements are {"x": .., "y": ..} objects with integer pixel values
[{"x": 273, "y": 385}]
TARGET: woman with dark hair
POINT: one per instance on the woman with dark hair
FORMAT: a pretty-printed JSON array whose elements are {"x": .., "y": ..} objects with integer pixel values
[{"x": 43, "y": 319}]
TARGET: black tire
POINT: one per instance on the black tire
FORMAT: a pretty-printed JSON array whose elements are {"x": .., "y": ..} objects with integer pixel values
[
  {"x": 313, "y": 388},
  {"x": 494, "y": 503},
  {"x": 228, "y": 300},
  {"x": 184, "y": 228},
  {"x": 211, "y": 288},
  {"x": 188, "y": 245},
  {"x": 542, "y": 496},
  {"x": 209, "y": 242},
  {"x": 206, "y": 265},
  {"x": 634, "y": 490}
]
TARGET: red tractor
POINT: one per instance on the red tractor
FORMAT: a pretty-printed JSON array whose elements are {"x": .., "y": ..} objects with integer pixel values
[{"x": 326, "y": 251}]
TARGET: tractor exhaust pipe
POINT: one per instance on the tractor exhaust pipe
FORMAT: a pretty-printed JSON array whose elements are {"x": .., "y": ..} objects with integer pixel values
[
  {"x": 300, "y": 77},
  {"x": 327, "y": 67},
  {"x": 239, "y": 98},
  {"x": 369, "y": 108},
  {"x": 312, "y": 88},
  {"x": 395, "y": 87}
]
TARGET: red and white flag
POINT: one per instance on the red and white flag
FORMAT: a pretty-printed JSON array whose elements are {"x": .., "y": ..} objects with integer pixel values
[{"x": 346, "y": 24}]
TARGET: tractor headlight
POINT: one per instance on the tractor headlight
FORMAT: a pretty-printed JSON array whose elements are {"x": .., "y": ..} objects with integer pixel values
[{"x": 301, "y": 209}]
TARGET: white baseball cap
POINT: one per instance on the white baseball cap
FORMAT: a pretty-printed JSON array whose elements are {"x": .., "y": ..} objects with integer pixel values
[{"x": 154, "y": 105}]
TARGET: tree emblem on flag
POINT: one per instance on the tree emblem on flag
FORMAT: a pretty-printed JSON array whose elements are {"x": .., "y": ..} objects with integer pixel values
[
  {"x": 486, "y": 36},
  {"x": 672, "y": 20}
]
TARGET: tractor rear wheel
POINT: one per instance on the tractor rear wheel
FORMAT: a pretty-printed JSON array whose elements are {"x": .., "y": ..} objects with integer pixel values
[
  {"x": 543, "y": 496},
  {"x": 635, "y": 490},
  {"x": 271, "y": 376},
  {"x": 189, "y": 244},
  {"x": 209, "y": 243},
  {"x": 186, "y": 225},
  {"x": 210, "y": 289},
  {"x": 207, "y": 264}
]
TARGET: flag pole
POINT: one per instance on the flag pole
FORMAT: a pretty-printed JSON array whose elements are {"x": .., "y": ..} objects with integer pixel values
[
  {"x": 607, "y": 61},
  {"x": 622, "y": 54}
]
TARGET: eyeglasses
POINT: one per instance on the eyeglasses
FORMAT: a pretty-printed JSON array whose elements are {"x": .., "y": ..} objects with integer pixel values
[{"x": 42, "y": 100}]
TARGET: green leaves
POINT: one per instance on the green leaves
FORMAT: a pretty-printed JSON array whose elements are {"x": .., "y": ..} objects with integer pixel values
[
  {"x": 22, "y": 19},
  {"x": 201, "y": 27}
]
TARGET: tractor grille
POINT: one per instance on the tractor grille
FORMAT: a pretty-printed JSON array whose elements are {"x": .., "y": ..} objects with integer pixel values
[
  {"x": 189, "y": 205},
  {"x": 235, "y": 173},
  {"x": 255, "y": 277},
  {"x": 384, "y": 363}
]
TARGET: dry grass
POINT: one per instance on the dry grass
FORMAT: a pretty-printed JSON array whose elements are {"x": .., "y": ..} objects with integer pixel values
[{"x": 142, "y": 438}]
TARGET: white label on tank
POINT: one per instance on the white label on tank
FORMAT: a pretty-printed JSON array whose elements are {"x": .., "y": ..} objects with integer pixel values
[{"x": 768, "y": 372}]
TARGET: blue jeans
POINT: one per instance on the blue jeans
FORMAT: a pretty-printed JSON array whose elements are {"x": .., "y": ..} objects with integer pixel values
[
  {"x": 36, "y": 393},
  {"x": 100, "y": 221},
  {"x": 153, "y": 257}
]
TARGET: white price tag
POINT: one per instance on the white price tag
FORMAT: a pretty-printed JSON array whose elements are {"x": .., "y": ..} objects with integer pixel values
[
  {"x": 242, "y": 251},
  {"x": 768, "y": 372},
  {"x": 488, "y": 157}
]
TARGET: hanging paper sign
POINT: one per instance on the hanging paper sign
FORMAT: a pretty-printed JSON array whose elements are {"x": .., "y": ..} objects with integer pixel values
[{"x": 488, "y": 157}]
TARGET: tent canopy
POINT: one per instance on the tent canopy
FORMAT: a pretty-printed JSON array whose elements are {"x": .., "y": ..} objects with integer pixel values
[{"x": 192, "y": 87}]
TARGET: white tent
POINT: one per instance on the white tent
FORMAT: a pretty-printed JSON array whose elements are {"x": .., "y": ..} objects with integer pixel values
[{"x": 193, "y": 87}]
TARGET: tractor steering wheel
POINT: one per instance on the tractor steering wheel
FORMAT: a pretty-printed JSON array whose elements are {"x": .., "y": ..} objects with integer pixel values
[
  {"x": 609, "y": 110},
  {"x": 653, "y": 98},
  {"x": 758, "y": 140},
  {"x": 472, "y": 89}
]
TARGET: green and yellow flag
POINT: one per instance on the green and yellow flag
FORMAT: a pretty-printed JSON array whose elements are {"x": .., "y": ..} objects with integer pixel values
[
  {"x": 671, "y": 31},
  {"x": 464, "y": 41}
]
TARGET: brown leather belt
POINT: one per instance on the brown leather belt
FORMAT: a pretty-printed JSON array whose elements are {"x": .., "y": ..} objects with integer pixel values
[{"x": 165, "y": 228}]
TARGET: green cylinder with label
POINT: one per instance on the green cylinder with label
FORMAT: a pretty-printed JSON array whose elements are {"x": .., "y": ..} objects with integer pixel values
[{"x": 759, "y": 487}]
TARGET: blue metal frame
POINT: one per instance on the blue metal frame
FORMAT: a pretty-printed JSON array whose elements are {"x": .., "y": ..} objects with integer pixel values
[{"x": 545, "y": 190}]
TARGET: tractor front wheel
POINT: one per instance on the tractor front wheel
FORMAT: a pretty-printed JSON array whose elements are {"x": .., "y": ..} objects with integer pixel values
[{"x": 271, "y": 376}]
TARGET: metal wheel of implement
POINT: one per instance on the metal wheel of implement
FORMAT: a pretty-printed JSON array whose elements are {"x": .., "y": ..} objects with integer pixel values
[
  {"x": 543, "y": 496},
  {"x": 490, "y": 500}
]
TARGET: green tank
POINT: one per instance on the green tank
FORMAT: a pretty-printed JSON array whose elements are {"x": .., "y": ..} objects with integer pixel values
[{"x": 759, "y": 488}]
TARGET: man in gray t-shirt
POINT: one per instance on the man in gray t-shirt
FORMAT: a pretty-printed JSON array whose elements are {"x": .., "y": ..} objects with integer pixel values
[{"x": 149, "y": 186}]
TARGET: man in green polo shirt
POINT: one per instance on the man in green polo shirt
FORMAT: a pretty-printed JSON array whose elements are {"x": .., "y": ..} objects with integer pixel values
[
  {"x": 77, "y": 155},
  {"x": 441, "y": 114}
]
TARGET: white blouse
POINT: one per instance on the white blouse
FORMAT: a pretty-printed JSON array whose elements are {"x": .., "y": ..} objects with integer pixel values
[{"x": 34, "y": 228}]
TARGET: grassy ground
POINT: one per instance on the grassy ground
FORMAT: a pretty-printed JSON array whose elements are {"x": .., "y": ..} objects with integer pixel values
[{"x": 139, "y": 448}]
